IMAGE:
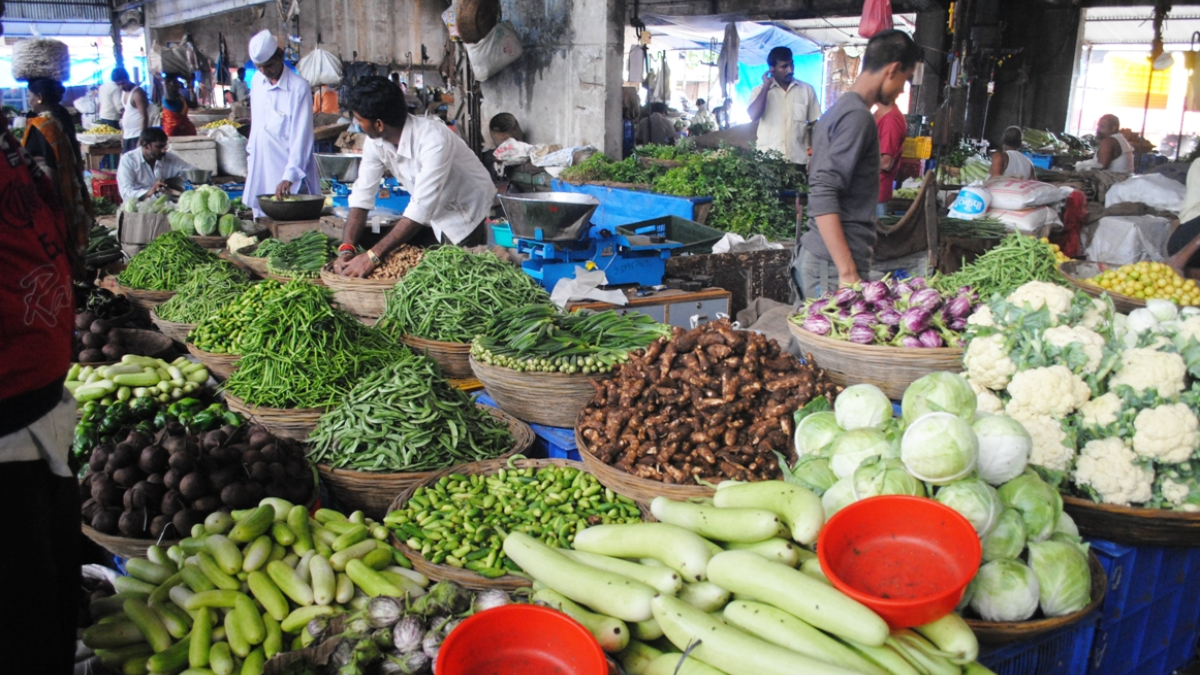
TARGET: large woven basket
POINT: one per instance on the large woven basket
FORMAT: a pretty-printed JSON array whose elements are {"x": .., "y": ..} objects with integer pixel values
[
  {"x": 372, "y": 493},
  {"x": 891, "y": 369},
  {"x": 1076, "y": 272},
  {"x": 315, "y": 281},
  {"x": 453, "y": 357},
  {"x": 144, "y": 342},
  {"x": 1133, "y": 526},
  {"x": 124, "y": 547},
  {"x": 210, "y": 243},
  {"x": 220, "y": 366},
  {"x": 295, "y": 423},
  {"x": 640, "y": 490},
  {"x": 176, "y": 331},
  {"x": 1005, "y": 632},
  {"x": 549, "y": 399},
  {"x": 363, "y": 298},
  {"x": 144, "y": 301},
  {"x": 256, "y": 265},
  {"x": 465, "y": 577}
]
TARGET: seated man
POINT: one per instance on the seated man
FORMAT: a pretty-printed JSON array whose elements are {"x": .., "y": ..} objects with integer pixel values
[
  {"x": 655, "y": 128},
  {"x": 145, "y": 169},
  {"x": 1113, "y": 152}
]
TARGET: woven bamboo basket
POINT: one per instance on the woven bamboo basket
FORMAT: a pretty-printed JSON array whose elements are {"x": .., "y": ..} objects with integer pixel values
[
  {"x": 640, "y": 490},
  {"x": 1076, "y": 272},
  {"x": 315, "y": 281},
  {"x": 891, "y": 369},
  {"x": 465, "y": 577},
  {"x": 549, "y": 399},
  {"x": 453, "y": 357},
  {"x": 220, "y": 366},
  {"x": 1133, "y": 526},
  {"x": 140, "y": 342},
  {"x": 295, "y": 423},
  {"x": 256, "y": 265},
  {"x": 124, "y": 547},
  {"x": 363, "y": 298},
  {"x": 143, "y": 301},
  {"x": 176, "y": 331},
  {"x": 372, "y": 493},
  {"x": 210, "y": 243},
  {"x": 1005, "y": 632}
]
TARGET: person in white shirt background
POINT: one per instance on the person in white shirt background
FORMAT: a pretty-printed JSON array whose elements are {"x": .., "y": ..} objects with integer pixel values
[
  {"x": 451, "y": 191},
  {"x": 784, "y": 107},
  {"x": 1008, "y": 160},
  {"x": 280, "y": 149},
  {"x": 145, "y": 170},
  {"x": 110, "y": 99}
]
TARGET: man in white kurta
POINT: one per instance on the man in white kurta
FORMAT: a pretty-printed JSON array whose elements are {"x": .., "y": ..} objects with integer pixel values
[
  {"x": 281, "y": 160},
  {"x": 145, "y": 170},
  {"x": 451, "y": 190}
]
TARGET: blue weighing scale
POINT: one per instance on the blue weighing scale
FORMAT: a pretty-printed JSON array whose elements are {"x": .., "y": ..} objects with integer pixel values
[{"x": 342, "y": 170}]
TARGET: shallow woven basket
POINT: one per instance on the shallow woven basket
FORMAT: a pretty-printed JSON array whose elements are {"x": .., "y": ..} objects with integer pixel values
[
  {"x": 315, "y": 281},
  {"x": 142, "y": 300},
  {"x": 220, "y": 366},
  {"x": 1004, "y": 632},
  {"x": 256, "y": 265},
  {"x": 549, "y": 399},
  {"x": 461, "y": 576},
  {"x": 176, "y": 331},
  {"x": 640, "y": 490},
  {"x": 143, "y": 342},
  {"x": 210, "y": 243},
  {"x": 372, "y": 492},
  {"x": 453, "y": 357},
  {"x": 891, "y": 369},
  {"x": 124, "y": 547},
  {"x": 1133, "y": 526},
  {"x": 1076, "y": 272},
  {"x": 295, "y": 423},
  {"x": 363, "y": 298}
]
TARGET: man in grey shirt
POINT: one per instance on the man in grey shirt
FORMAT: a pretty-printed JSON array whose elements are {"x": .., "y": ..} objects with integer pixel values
[{"x": 843, "y": 176}]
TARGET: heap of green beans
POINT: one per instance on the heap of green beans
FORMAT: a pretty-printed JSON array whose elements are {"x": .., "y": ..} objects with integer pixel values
[
  {"x": 538, "y": 338},
  {"x": 299, "y": 352},
  {"x": 300, "y": 258},
  {"x": 452, "y": 294},
  {"x": 211, "y": 288},
  {"x": 462, "y": 520},
  {"x": 166, "y": 263},
  {"x": 1014, "y": 262},
  {"x": 221, "y": 332},
  {"x": 406, "y": 417}
]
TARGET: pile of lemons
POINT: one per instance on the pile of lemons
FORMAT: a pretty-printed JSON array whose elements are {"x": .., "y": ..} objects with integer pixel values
[
  {"x": 1059, "y": 256},
  {"x": 1146, "y": 280}
]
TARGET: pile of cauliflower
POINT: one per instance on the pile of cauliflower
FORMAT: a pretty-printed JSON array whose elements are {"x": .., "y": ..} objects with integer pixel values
[{"x": 1105, "y": 397}]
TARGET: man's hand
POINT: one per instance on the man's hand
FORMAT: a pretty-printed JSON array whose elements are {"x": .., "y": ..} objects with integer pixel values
[
  {"x": 848, "y": 278},
  {"x": 767, "y": 78},
  {"x": 283, "y": 189},
  {"x": 158, "y": 187},
  {"x": 341, "y": 262},
  {"x": 359, "y": 267}
]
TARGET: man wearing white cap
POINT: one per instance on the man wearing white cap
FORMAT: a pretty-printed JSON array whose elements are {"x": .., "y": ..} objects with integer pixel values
[{"x": 281, "y": 160}]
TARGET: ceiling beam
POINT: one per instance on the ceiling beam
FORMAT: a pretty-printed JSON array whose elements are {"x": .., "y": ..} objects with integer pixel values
[{"x": 775, "y": 10}]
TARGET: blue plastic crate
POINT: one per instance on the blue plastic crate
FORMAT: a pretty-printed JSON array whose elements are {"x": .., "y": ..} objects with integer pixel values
[
  {"x": 1041, "y": 161},
  {"x": 1063, "y": 652},
  {"x": 503, "y": 235},
  {"x": 558, "y": 442}
]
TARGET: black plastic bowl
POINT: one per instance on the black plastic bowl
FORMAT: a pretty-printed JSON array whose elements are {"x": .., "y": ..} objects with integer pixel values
[{"x": 300, "y": 207}]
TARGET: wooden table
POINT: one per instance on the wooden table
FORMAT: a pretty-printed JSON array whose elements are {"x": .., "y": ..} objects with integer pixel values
[{"x": 95, "y": 152}]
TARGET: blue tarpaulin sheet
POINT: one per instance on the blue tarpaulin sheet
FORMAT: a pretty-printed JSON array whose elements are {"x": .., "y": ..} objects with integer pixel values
[
  {"x": 85, "y": 70},
  {"x": 619, "y": 206}
]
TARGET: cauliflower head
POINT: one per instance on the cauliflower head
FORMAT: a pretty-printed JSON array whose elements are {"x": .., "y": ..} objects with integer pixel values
[
  {"x": 987, "y": 363},
  {"x": 1050, "y": 391},
  {"x": 1050, "y": 450},
  {"x": 1101, "y": 411},
  {"x": 1091, "y": 342},
  {"x": 1096, "y": 316},
  {"x": 1109, "y": 468},
  {"x": 1167, "y": 433},
  {"x": 986, "y": 400},
  {"x": 1143, "y": 369},
  {"x": 982, "y": 316},
  {"x": 1037, "y": 294},
  {"x": 1175, "y": 493},
  {"x": 1189, "y": 328}
]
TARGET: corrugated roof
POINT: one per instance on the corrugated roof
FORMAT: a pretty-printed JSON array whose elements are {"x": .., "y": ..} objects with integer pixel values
[
  {"x": 57, "y": 11},
  {"x": 1133, "y": 26}
]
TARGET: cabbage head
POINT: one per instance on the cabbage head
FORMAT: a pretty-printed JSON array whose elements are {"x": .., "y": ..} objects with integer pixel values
[
  {"x": 187, "y": 224},
  {"x": 1007, "y": 538},
  {"x": 939, "y": 392},
  {"x": 816, "y": 433},
  {"x": 813, "y": 473},
  {"x": 862, "y": 406},
  {"x": 173, "y": 219},
  {"x": 199, "y": 204},
  {"x": 218, "y": 202},
  {"x": 185, "y": 201},
  {"x": 1040, "y": 505},
  {"x": 1004, "y": 448},
  {"x": 853, "y": 447},
  {"x": 884, "y": 476},
  {"x": 1005, "y": 590},
  {"x": 206, "y": 224},
  {"x": 975, "y": 500},
  {"x": 227, "y": 225},
  {"x": 1066, "y": 525},
  {"x": 838, "y": 496},
  {"x": 1064, "y": 580},
  {"x": 939, "y": 448}
]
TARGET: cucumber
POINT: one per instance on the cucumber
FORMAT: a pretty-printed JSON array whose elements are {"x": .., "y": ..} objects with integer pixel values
[
  {"x": 412, "y": 575},
  {"x": 646, "y": 630},
  {"x": 267, "y": 593},
  {"x": 324, "y": 581},
  {"x": 131, "y": 585},
  {"x": 297, "y": 522},
  {"x": 218, "y": 522},
  {"x": 637, "y": 656},
  {"x": 136, "y": 379},
  {"x": 371, "y": 582},
  {"x": 162, "y": 593},
  {"x": 175, "y": 553},
  {"x": 402, "y": 582},
  {"x": 743, "y": 525},
  {"x": 171, "y": 660},
  {"x": 227, "y": 555},
  {"x": 704, "y": 596},
  {"x": 289, "y": 582},
  {"x": 778, "y": 627},
  {"x": 197, "y": 671},
  {"x": 345, "y": 589},
  {"x": 273, "y": 643},
  {"x": 328, "y": 516},
  {"x": 206, "y": 599},
  {"x": 249, "y": 621},
  {"x": 201, "y": 638},
  {"x": 253, "y": 526},
  {"x": 149, "y": 624},
  {"x": 779, "y": 550},
  {"x": 238, "y": 643},
  {"x": 220, "y": 659},
  {"x": 302, "y": 567},
  {"x": 812, "y": 567},
  {"x": 301, "y": 616},
  {"x": 114, "y": 658},
  {"x": 156, "y": 555},
  {"x": 253, "y": 665},
  {"x": 281, "y": 506},
  {"x": 362, "y": 548},
  {"x": 177, "y": 621},
  {"x": 952, "y": 635},
  {"x": 680, "y": 549},
  {"x": 380, "y": 558},
  {"x": 282, "y": 533},
  {"x": 181, "y": 596},
  {"x": 351, "y": 537},
  {"x": 257, "y": 554},
  {"x": 195, "y": 579},
  {"x": 670, "y": 664},
  {"x": 214, "y": 573},
  {"x": 113, "y": 635},
  {"x": 798, "y": 508},
  {"x": 662, "y": 579},
  {"x": 612, "y": 634}
]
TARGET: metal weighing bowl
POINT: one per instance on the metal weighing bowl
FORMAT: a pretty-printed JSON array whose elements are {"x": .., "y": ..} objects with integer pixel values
[
  {"x": 549, "y": 216},
  {"x": 301, "y": 207},
  {"x": 196, "y": 176},
  {"x": 342, "y": 168}
]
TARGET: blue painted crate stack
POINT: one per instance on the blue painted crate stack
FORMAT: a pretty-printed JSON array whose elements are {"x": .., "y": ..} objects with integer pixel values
[{"x": 1063, "y": 652}]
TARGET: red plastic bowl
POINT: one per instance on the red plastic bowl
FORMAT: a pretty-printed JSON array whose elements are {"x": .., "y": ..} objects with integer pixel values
[
  {"x": 521, "y": 640},
  {"x": 907, "y": 558}
]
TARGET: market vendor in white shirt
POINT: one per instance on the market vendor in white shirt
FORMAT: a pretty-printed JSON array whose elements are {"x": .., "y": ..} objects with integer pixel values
[
  {"x": 783, "y": 107},
  {"x": 451, "y": 191},
  {"x": 145, "y": 170},
  {"x": 280, "y": 148}
]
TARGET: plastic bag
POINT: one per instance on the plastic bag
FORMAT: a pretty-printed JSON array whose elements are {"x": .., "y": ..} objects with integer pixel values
[
  {"x": 494, "y": 52},
  {"x": 1121, "y": 240},
  {"x": 971, "y": 203},
  {"x": 450, "y": 18},
  {"x": 876, "y": 18},
  {"x": 1014, "y": 194},
  {"x": 231, "y": 151},
  {"x": 1154, "y": 190},
  {"x": 320, "y": 67},
  {"x": 1036, "y": 222}
]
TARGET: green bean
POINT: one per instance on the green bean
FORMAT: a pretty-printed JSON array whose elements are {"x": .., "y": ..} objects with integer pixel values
[
  {"x": 300, "y": 258},
  {"x": 167, "y": 263},
  {"x": 1015, "y": 261},
  {"x": 210, "y": 288}
]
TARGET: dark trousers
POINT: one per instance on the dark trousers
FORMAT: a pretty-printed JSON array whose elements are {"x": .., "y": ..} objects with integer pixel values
[
  {"x": 427, "y": 238},
  {"x": 39, "y": 569}
]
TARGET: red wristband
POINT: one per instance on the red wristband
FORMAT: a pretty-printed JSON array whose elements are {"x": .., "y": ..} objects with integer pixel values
[{"x": 345, "y": 247}]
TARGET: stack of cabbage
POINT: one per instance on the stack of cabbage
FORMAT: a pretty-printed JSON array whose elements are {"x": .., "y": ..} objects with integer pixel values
[
  {"x": 975, "y": 463},
  {"x": 204, "y": 211},
  {"x": 1106, "y": 398}
]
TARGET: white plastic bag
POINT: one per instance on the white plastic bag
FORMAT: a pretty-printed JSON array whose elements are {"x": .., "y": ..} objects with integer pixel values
[
  {"x": 494, "y": 52},
  {"x": 513, "y": 152},
  {"x": 320, "y": 67},
  {"x": 972, "y": 202},
  {"x": 231, "y": 151},
  {"x": 1121, "y": 240},
  {"x": 450, "y": 18},
  {"x": 1038, "y": 222},
  {"x": 1154, "y": 190},
  {"x": 1012, "y": 194}
]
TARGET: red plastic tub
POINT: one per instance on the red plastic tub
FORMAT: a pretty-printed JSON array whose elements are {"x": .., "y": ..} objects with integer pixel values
[
  {"x": 907, "y": 558},
  {"x": 521, "y": 640}
]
